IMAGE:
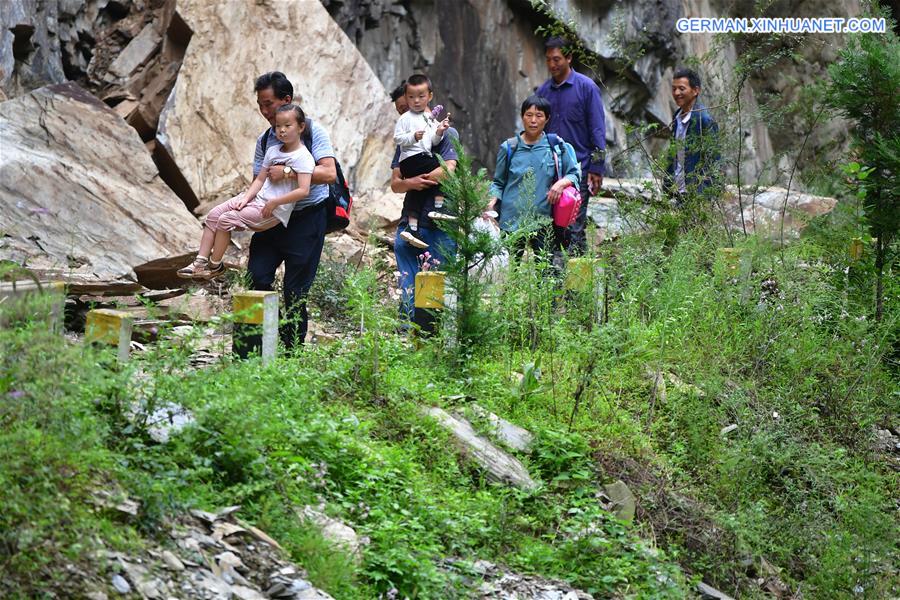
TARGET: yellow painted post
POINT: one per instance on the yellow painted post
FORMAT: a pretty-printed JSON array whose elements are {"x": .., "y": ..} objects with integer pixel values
[
  {"x": 259, "y": 308},
  {"x": 730, "y": 260},
  {"x": 585, "y": 274},
  {"x": 734, "y": 265},
  {"x": 430, "y": 289},
  {"x": 856, "y": 248},
  {"x": 582, "y": 273},
  {"x": 112, "y": 327}
]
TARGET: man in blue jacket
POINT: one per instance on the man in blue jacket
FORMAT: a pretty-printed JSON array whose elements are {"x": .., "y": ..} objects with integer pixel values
[
  {"x": 693, "y": 165},
  {"x": 577, "y": 109}
]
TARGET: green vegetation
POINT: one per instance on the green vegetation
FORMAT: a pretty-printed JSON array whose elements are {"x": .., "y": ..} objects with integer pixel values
[
  {"x": 863, "y": 88},
  {"x": 788, "y": 351}
]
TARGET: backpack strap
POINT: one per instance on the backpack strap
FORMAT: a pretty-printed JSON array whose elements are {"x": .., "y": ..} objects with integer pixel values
[
  {"x": 307, "y": 136},
  {"x": 265, "y": 140},
  {"x": 556, "y": 147}
]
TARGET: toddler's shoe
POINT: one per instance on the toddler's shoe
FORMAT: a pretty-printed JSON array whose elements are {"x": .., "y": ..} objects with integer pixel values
[{"x": 412, "y": 240}]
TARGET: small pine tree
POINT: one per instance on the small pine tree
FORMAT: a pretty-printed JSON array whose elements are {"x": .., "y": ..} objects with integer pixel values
[
  {"x": 467, "y": 196},
  {"x": 863, "y": 88}
]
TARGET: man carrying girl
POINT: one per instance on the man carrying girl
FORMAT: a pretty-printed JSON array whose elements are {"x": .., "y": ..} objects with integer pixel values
[{"x": 265, "y": 204}]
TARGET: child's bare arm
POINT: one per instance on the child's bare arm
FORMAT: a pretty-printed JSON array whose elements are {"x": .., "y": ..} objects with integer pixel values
[{"x": 254, "y": 188}]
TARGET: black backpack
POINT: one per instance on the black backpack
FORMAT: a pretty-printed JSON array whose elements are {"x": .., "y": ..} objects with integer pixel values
[{"x": 339, "y": 200}]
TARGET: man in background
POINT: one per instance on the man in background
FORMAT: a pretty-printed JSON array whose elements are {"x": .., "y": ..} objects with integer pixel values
[
  {"x": 693, "y": 164},
  {"x": 577, "y": 117}
]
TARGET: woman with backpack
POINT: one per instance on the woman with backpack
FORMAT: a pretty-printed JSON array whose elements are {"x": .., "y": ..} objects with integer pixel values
[{"x": 526, "y": 207}]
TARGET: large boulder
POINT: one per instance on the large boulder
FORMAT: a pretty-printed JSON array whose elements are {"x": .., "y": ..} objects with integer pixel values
[
  {"x": 378, "y": 211},
  {"x": 211, "y": 121},
  {"x": 764, "y": 208},
  {"x": 79, "y": 192}
]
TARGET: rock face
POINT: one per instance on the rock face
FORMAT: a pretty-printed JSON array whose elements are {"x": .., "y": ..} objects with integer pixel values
[
  {"x": 183, "y": 79},
  {"x": 34, "y": 38},
  {"x": 211, "y": 121},
  {"x": 79, "y": 191},
  {"x": 88, "y": 41}
]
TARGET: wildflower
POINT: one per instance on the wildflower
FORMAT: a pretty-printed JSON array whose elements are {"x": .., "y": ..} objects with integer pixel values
[{"x": 16, "y": 394}]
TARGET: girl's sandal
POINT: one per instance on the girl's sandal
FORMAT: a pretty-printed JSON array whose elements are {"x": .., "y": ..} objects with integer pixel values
[{"x": 191, "y": 271}]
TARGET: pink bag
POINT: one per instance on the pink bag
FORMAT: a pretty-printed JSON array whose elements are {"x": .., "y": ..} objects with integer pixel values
[{"x": 565, "y": 211}]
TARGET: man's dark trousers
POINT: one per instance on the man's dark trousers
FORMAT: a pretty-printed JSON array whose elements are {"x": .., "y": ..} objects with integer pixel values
[
  {"x": 577, "y": 232},
  {"x": 299, "y": 246}
]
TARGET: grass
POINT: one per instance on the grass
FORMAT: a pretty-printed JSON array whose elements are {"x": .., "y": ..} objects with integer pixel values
[{"x": 797, "y": 364}]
